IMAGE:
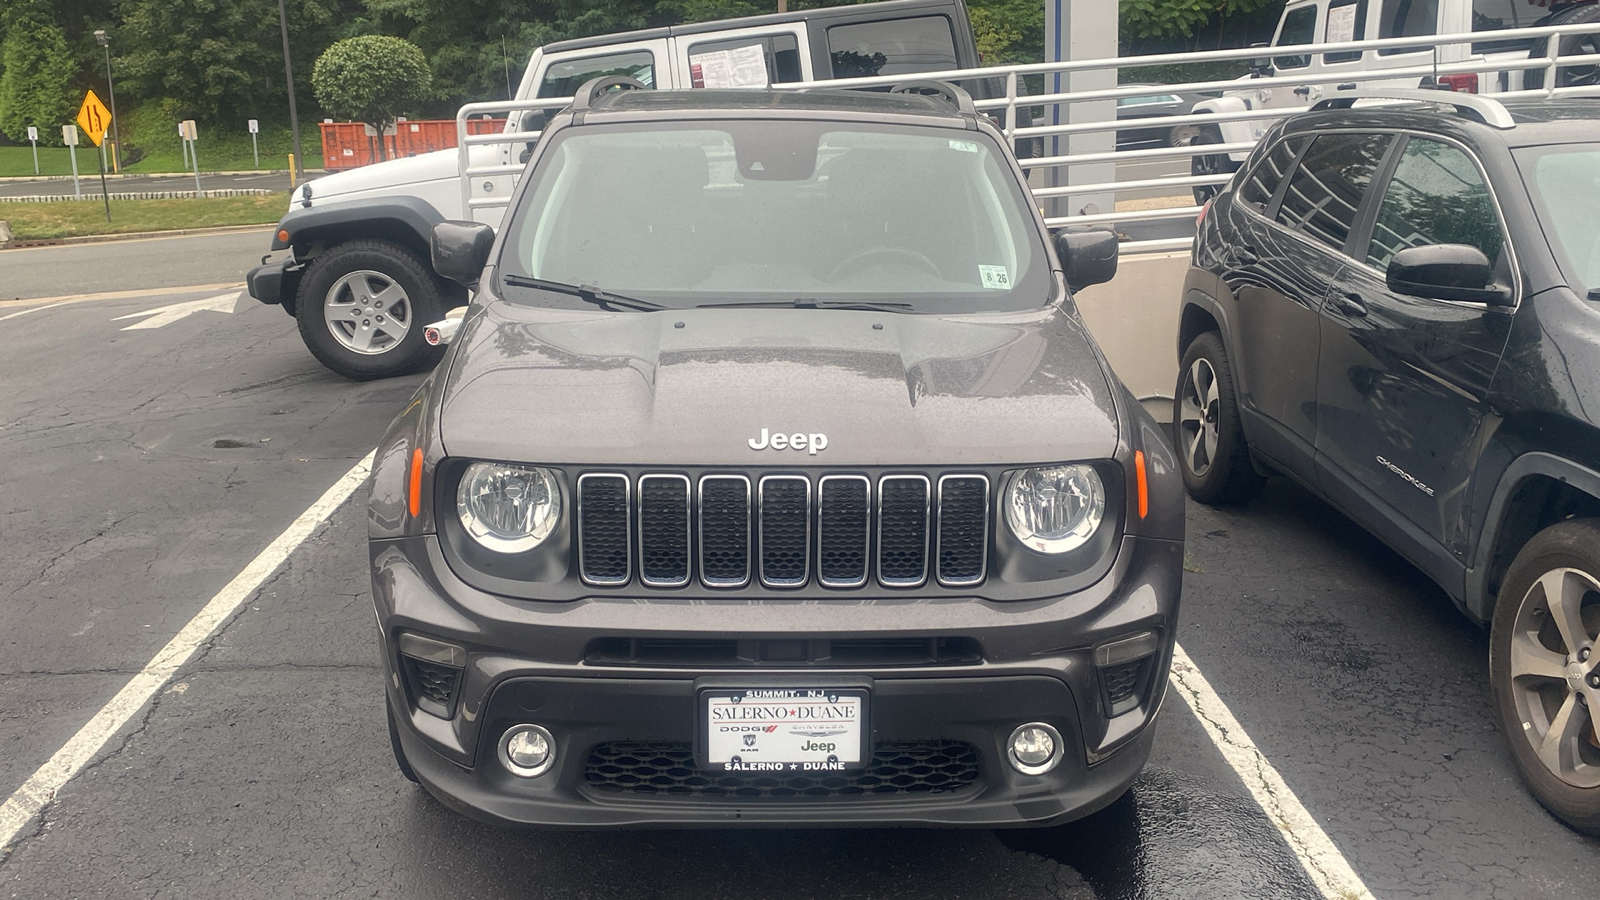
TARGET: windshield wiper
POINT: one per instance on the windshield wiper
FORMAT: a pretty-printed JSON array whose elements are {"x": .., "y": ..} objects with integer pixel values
[
  {"x": 586, "y": 292},
  {"x": 808, "y": 303}
]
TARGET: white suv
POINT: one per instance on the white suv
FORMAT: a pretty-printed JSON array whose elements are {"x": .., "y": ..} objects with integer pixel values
[{"x": 1336, "y": 21}]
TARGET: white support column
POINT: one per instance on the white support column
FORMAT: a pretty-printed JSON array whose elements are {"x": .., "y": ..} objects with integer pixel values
[{"x": 1085, "y": 29}]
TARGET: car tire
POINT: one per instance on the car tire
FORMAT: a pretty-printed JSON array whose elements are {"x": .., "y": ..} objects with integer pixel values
[
  {"x": 1208, "y": 164},
  {"x": 1571, "y": 45},
  {"x": 362, "y": 308},
  {"x": 399, "y": 751},
  {"x": 1213, "y": 456},
  {"x": 1544, "y": 686}
]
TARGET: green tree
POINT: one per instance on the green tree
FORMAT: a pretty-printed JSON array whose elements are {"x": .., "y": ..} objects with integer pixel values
[
  {"x": 221, "y": 60},
  {"x": 1171, "y": 20},
  {"x": 372, "y": 79},
  {"x": 40, "y": 81}
]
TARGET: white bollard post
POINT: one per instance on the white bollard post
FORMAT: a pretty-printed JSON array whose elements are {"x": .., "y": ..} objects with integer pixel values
[
  {"x": 255, "y": 151},
  {"x": 69, "y": 136},
  {"x": 33, "y": 138},
  {"x": 192, "y": 134}
]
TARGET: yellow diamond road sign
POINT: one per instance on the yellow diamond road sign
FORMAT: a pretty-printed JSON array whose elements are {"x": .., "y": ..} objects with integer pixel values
[{"x": 94, "y": 118}]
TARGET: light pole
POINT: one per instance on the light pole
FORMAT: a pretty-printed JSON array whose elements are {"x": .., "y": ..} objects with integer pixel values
[
  {"x": 288, "y": 76},
  {"x": 116, "y": 129}
]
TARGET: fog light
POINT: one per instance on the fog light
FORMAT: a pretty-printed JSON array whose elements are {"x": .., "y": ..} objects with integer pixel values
[
  {"x": 1035, "y": 748},
  {"x": 527, "y": 750}
]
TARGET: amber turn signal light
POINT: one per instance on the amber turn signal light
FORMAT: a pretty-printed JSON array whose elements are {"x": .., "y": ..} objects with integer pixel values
[
  {"x": 415, "y": 493},
  {"x": 1138, "y": 474}
]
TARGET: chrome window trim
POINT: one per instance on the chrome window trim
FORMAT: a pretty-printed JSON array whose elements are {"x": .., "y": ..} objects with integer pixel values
[
  {"x": 866, "y": 533},
  {"x": 699, "y": 515},
  {"x": 983, "y": 563},
  {"x": 627, "y": 539},
  {"x": 927, "y": 526},
  {"x": 688, "y": 529},
  {"x": 761, "y": 514}
]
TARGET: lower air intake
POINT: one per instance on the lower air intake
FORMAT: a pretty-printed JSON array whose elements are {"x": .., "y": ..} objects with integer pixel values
[{"x": 667, "y": 769}]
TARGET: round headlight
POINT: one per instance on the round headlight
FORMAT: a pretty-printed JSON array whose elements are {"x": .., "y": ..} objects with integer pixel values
[
  {"x": 508, "y": 509},
  {"x": 1055, "y": 509}
]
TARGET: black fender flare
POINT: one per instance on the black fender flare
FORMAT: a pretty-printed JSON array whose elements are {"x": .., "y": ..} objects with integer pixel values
[
  {"x": 1477, "y": 600},
  {"x": 413, "y": 214},
  {"x": 1198, "y": 298}
]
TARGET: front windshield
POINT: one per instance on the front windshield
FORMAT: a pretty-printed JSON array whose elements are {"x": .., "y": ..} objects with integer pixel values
[
  {"x": 1565, "y": 182},
  {"x": 780, "y": 212}
]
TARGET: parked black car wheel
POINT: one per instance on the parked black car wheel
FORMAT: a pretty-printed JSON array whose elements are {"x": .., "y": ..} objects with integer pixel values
[
  {"x": 1545, "y": 669},
  {"x": 1205, "y": 418},
  {"x": 399, "y": 751},
  {"x": 362, "y": 309},
  {"x": 1208, "y": 164}
]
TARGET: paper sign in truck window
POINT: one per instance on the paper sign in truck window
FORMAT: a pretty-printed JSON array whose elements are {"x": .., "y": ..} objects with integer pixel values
[{"x": 741, "y": 67}]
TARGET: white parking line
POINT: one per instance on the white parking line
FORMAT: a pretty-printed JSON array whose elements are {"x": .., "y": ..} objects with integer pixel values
[
  {"x": 1321, "y": 859},
  {"x": 41, "y": 787},
  {"x": 123, "y": 295}
]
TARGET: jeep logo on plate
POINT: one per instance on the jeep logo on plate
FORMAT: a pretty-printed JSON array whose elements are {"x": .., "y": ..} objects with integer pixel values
[{"x": 798, "y": 441}]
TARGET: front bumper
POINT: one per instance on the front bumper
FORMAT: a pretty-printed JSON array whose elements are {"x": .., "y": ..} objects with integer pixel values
[{"x": 529, "y": 662}]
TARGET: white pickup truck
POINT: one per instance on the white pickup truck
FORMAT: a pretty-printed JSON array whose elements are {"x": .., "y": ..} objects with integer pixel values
[
  {"x": 1337, "y": 21},
  {"x": 357, "y": 273}
]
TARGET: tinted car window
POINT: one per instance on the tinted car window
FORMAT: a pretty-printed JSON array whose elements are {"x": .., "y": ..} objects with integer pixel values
[
  {"x": 1436, "y": 196},
  {"x": 1408, "y": 18},
  {"x": 892, "y": 47},
  {"x": 1327, "y": 188},
  {"x": 1566, "y": 191},
  {"x": 1264, "y": 179},
  {"x": 781, "y": 52},
  {"x": 1299, "y": 27},
  {"x": 564, "y": 78},
  {"x": 685, "y": 214}
]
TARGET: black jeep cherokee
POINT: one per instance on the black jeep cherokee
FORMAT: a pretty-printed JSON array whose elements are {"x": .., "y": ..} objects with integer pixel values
[
  {"x": 772, "y": 478},
  {"x": 1399, "y": 307}
]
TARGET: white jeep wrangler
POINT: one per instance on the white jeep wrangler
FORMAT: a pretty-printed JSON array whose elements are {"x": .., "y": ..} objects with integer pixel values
[
  {"x": 1337, "y": 21},
  {"x": 357, "y": 274}
]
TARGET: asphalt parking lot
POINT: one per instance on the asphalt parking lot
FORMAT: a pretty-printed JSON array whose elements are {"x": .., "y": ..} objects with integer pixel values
[{"x": 142, "y": 469}]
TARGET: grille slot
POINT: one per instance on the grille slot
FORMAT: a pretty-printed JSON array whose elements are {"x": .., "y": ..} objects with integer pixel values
[
  {"x": 667, "y": 769},
  {"x": 844, "y": 530},
  {"x": 603, "y": 529},
  {"x": 433, "y": 686},
  {"x": 664, "y": 530},
  {"x": 695, "y": 653},
  {"x": 725, "y": 530},
  {"x": 903, "y": 530},
  {"x": 963, "y": 536},
  {"x": 1124, "y": 685},
  {"x": 785, "y": 530}
]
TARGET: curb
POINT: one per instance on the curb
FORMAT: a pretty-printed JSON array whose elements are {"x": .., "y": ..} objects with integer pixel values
[
  {"x": 141, "y": 195},
  {"x": 22, "y": 179},
  {"x": 133, "y": 235}
]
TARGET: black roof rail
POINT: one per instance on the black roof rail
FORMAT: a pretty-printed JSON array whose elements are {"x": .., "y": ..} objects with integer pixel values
[
  {"x": 594, "y": 87},
  {"x": 953, "y": 93},
  {"x": 1472, "y": 106}
]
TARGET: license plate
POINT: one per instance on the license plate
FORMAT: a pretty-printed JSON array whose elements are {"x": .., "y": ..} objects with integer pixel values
[{"x": 785, "y": 729}]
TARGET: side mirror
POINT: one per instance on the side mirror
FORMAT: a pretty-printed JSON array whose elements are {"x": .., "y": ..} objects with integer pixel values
[
  {"x": 1087, "y": 257},
  {"x": 1261, "y": 66},
  {"x": 461, "y": 249},
  {"x": 444, "y": 331},
  {"x": 1445, "y": 272}
]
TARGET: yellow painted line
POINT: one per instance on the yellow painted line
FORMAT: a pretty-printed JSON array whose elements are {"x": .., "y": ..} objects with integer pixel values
[{"x": 122, "y": 295}]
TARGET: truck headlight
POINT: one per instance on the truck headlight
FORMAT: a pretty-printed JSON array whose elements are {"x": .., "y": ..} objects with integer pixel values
[
  {"x": 506, "y": 508},
  {"x": 1057, "y": 508}
]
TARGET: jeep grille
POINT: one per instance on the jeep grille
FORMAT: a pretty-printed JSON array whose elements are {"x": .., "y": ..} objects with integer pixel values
[{"x": 783, "y": 530}]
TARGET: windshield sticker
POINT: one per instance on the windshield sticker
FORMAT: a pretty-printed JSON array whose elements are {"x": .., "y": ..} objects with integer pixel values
[
  {"x": 964, "y": 146},
  {"x": 742, "y": 67},
  {"x": 994, "y": 277}
]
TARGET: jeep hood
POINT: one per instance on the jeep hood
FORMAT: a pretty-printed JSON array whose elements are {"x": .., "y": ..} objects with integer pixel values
[
  {"x": 386, "y": 176},
  {"x": 694, "y": 387}
]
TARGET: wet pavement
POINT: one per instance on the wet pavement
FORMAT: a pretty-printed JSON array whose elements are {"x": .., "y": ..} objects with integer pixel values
[{"x": 139, "y": 471}]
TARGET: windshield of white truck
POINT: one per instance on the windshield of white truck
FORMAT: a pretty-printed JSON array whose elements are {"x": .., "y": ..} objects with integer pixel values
[{"x": 801, "y": 213}]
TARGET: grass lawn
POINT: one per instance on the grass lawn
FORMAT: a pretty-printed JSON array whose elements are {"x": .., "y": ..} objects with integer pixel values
[
  {"x": 36, "y": 221},
  {"x": 232, "y": 157}
]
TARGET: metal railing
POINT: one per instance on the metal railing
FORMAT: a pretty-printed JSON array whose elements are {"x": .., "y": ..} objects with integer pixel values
[{"x": 1063, "y": 176}]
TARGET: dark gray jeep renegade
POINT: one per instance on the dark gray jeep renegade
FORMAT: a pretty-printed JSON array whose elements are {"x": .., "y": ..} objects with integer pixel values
[{"x": 772, "y": 478}]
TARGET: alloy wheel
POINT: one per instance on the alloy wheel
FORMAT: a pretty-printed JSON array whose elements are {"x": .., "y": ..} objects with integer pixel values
[
  {"x": 368, "y": 312},
  {"x": 1198, "y": 418},
  {"x": 1555, "y": 674}
]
